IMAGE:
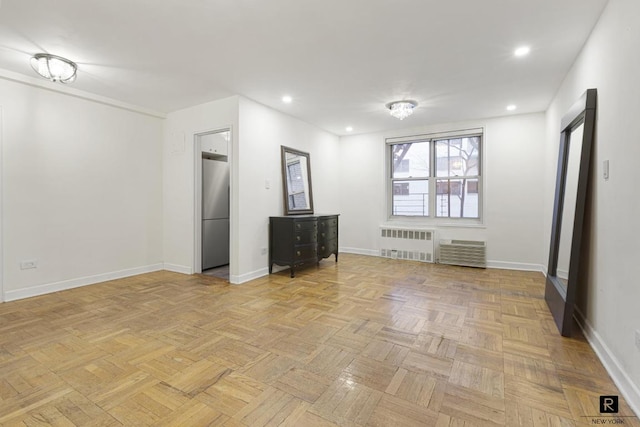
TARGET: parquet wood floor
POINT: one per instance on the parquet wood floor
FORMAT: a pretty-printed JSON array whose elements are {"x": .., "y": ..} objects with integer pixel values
[{"x": 365, "y": 342}]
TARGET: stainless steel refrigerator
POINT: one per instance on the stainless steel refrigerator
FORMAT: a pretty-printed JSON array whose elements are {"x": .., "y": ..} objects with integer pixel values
[{"x": 215, "y": 213}]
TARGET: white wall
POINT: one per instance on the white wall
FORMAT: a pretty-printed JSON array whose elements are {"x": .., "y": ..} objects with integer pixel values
[
  {"x": 262, "y": 132},
  {"x": 608, "y": 298},
  {"x": 179, "y": 179},
  {"x": 513, "y": 215},
  {"x": 81, "y": 190},
  {"x": 257, "y": 133}
]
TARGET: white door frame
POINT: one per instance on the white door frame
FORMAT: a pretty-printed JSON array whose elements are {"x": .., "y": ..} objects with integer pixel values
[{"x": 197, "y": 176}]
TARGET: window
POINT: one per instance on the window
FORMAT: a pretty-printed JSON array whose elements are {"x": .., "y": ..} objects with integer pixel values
[
  {"x": 297, "y": 197},
  {"x": 410, "y": 177},
  {"x": 436, "y": 177}
]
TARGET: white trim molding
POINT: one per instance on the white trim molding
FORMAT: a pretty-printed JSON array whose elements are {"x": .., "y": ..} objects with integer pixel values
[
  {"x": 625, "y": 384},
  {"x": 503, "y": 265},
  {"x": 242, "y": 278},
  {"x": 66, "y": 90},
  {"x": 358, "y": 251},
  {"x": 177, "y": 268},
  {"x": 520, "y": 266},
  {"x": 64, "y": 285}
]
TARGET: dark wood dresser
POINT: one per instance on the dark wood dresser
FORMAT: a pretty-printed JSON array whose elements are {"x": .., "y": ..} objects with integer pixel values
[{"x": 302, "y": 240}]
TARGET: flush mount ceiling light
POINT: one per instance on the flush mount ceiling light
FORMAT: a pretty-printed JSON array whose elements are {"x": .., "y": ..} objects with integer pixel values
[
  {"x": 522, "y": 51},
  {"x": 54, "y": 68},
  {"x": 401, "y": 109}
]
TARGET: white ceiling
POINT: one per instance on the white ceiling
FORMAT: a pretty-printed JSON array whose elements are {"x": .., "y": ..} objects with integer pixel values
[{"x": 340, "y": 60}]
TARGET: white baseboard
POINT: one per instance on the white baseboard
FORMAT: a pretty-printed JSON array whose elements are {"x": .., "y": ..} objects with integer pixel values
[
  {"x": 242, "y": 278},
  {"x": 627, "y": 387},
  {"x": 490, "y": 264},
  {"x": 177, "y": 268},
  {"x": 358, "y": 251},
  {"x": 48, "y": 288},
  {"x": 520, "y": 266}
]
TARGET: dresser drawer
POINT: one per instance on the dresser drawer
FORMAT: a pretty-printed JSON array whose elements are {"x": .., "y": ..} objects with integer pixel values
[
  {"x": 305, "y": 236},
  {"x": 304, "y": 252},
  {"x": 305, "y": 225},
  {"x": 328, "y": 223},
  {"x": 327, "y": 248},
  {"x": 331, "y": 233}
]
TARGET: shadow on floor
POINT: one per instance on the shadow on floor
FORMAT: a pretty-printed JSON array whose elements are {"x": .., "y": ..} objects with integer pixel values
[{"x": 221, "y": 272}]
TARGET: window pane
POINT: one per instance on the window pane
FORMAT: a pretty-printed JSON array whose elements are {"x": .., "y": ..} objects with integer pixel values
[
  {"x": 410, "y": 160},
  {"x": 457, "y": 198},
  {"x": 411, "y": 198},
  {"x": 295, "y": 184},
  {"x": 294, "y": 177},
  {"x": 458, "y": 157}
]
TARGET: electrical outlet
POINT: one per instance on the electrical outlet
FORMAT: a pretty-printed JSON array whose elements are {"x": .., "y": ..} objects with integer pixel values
[
  {"x": 263, "y": 251},
  {"x": 28, "y": 264},
  {"x": 638, "y": 339}
]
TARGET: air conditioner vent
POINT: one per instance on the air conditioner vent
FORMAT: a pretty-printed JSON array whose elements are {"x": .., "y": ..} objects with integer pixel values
[{"x": 469, "y": 253}]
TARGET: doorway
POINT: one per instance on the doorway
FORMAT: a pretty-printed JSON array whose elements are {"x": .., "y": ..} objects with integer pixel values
[{"x": 212, "y": 231}]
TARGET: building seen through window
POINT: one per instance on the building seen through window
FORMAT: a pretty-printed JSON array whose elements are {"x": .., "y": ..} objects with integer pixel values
[{"x": 437, "y": 177}]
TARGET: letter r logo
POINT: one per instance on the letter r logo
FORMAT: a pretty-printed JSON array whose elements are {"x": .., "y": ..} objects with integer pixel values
[{"x": 608, "y": 404}]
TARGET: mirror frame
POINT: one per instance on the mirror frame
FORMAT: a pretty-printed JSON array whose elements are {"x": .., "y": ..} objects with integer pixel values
[
  {"x": 287, "y": 209},
  {"x": 561, "y": 299}
]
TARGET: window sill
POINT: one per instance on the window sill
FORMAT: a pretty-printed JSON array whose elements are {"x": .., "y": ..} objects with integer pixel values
[{"x": 433, "y": 223}]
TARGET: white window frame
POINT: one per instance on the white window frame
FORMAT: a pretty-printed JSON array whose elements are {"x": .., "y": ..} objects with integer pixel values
[{"x": 432, "y": 219}]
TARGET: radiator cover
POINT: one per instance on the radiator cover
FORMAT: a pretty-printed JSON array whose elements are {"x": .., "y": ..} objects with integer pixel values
[{"x": 415, "y": 244}]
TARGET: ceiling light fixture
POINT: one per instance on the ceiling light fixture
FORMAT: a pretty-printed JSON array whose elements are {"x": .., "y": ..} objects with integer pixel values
[
  {"x": 401, "y": 109},
  {"x": 349, "y": 129},
  {"x": 511, "y": 107},
  {"x": 287, "y": 99},
  {"x": 54, "y": 68},
  {"x": 522, "y": 51}
]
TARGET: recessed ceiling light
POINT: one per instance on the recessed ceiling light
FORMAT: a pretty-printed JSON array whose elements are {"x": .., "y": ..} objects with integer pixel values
[
  {"x": 511, "y": 107},
  {"x": 349, "y": 129},
  {"x": 287, "y": 99},
  {"x": 522, "y": 51}
]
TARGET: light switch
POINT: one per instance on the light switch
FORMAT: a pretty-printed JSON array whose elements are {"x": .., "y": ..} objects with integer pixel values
[
  {"x": 267, "y": 184},
  {"x": 605, "y": 169}
]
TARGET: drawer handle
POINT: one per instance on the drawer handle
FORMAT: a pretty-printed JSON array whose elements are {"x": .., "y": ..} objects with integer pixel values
[
  {"x": 298, "y": 226},
  {"x": 298, "y": 252},
  {"x": 323, "y": 234},
  {"x": 298, "y": 238},
  {"x": 322, "y": 248}
]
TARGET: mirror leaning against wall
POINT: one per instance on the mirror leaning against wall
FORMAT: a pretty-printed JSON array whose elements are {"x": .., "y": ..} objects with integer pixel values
[
  {"x": 576, "y": 139},
  {"x": 296, "y": 179}
]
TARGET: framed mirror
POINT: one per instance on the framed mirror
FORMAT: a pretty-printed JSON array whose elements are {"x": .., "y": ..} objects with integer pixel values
[
  {"x": 296, "y": 179},
  {"x": 576, "y": 139}
]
